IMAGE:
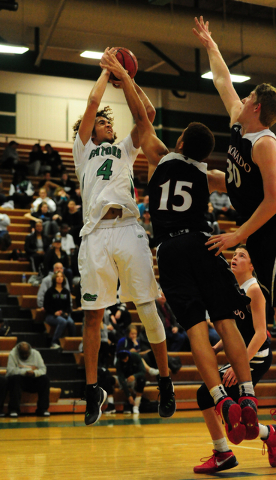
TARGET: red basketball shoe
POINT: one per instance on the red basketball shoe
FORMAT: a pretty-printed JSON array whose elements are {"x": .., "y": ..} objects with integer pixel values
[
  {"x": 270, "y": 442},
  {"x": 217, "y": 462},
  {"x": 230, "y": 413},
  {"x": 249, "y": 416}
]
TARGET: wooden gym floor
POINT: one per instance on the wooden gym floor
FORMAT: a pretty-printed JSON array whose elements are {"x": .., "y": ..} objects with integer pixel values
[{"x": 119, "y": 447}]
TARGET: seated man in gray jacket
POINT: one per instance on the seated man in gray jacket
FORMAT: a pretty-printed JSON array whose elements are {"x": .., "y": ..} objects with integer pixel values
[
  {"x": 47, "y": 283},
  {"x": 26, "y": 371}
]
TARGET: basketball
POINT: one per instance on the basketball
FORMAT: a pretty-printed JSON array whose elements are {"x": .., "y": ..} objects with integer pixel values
[{"x": 128, "y": 60}]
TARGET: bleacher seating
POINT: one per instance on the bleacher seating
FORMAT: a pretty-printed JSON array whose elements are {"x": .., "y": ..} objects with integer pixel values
[{"x": 66, "y": 366}]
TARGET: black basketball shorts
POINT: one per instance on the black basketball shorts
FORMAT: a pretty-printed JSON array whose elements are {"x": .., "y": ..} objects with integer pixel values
[{"x": 194, "y": 280}]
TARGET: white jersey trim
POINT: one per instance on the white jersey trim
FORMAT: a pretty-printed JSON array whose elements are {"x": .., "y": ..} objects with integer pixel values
[
  {"x": 245, "y": 286},
  {"x": 178, "y": 156},
  {"x": 253, "y": 137}
]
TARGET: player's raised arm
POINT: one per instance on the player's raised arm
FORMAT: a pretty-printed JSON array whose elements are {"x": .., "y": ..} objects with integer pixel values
[
  {"x": 94, "y": 100},
  {"x": 150, "y": 110},
  {"x": 221, "y": 74},
  {"x": 152, "y": 147}
]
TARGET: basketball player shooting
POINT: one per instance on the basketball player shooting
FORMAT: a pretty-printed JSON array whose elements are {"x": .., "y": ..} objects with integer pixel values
[{"x": 114, "y": 246}]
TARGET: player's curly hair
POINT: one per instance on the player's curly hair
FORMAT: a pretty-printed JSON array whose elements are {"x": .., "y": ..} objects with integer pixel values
[
  {"x": 266, "y": 96},
  {"x": 106, "y": 112},
  {"x": 198, "y": 140}
]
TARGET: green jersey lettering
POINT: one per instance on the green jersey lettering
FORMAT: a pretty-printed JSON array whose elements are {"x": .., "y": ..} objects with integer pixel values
[
  {"x": 105, "y": 169},
  {"x": 131, "y": 187}
]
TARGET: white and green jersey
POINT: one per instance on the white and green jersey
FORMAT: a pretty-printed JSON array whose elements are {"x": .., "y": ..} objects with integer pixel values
[{"x": 105, "y": 173}]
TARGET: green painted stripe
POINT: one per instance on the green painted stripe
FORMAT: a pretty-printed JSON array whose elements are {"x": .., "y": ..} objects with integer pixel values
[
  {"x": 7, "y": 102},
  {"x": 7, "y": 124},
  {"x": 110, "y": 421}
]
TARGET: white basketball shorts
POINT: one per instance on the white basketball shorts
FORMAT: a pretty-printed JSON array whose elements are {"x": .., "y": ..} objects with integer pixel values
[{"x": 109, "y": 254}]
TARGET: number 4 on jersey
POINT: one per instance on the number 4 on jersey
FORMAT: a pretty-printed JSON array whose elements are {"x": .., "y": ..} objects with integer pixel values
[{"x": 105, "y": 169}]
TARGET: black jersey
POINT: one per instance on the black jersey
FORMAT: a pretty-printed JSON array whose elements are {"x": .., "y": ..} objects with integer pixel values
[
  {"x": 243, "y": 177},
  {"x": 244, "y": 319},
  {"x": 178, "y": 196}
]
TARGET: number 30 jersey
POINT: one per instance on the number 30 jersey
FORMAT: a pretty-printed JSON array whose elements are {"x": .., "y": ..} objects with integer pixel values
[
  {"x": 105, "y": 173},
  {"x": 178, "y": 196},
  {"x": 243, "y": 177}
]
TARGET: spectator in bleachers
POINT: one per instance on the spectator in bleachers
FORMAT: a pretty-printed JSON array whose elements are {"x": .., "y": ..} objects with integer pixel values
[
  {"x": 72, "y": 216},
  {"x": 53, "y": 160},
  {"x": 26, "y": 371},
  {"x": 67, "y": 241},
  {"x": 10, "y": 157},
  {"x": 21, "y": 190},
  {"x": 117, "y": 319},
  {"x": 44, "y": 216},
  {"x": 61, "y": 199},
  {"x": 147, "y": 225},
  {"x": 222, "y": 205},
  {"x": 130, "y": 341},
  {"x": 56, "y": 254},
  {"x": 3, "y": 391},
  {"x": 57, "y": 305},
  {"x": 46, "y": 182},
  {"x": 47, "y": 282},
  {"x": 132, "y": 378},
  {"x": 36, "y": 244},
  {"x": 77, "y": 196},
  {"x": 2, "y": 194},
  {"x": 142, "y": 206},
  {"x": 43, "y": 198},
  {"x": 36, "y": 157},
  {"x": 68, "y": 184},
  {"x": 177, "y": 338},
  {"x": 5, "y": 239},
  {"x": 211, "y": 219}
]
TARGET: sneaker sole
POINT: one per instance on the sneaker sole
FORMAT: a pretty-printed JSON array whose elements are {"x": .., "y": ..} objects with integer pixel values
[
  {"x": 249, "y": 419},
  {"x": 166, "y": 416},
  {"x": 237, "y": 431},
  {"x": 226, "y": 466},
  {"x": 100, "y": 409}
]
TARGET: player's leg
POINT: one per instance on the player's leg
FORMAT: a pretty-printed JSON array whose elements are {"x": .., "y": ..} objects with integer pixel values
[
  {"x": 134, "y": 261},
  {"x": 236, "y": 353},
  {"x": 98, "y": 290},
  {"x": 223, "y": 458},
  {"x": 95, "y": 395}
]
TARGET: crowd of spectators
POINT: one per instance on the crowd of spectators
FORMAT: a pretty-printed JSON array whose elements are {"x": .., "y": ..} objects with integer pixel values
[{"x": 55, "y": 217}]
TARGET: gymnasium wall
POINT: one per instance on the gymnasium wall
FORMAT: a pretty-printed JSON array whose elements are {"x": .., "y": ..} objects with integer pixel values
[{"x": 44, "y": 108}]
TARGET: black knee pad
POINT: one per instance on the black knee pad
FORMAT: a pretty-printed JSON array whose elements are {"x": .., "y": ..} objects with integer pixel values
[
  {"x": 204, "y": 399},
  {"x": 140, "y": 385}
]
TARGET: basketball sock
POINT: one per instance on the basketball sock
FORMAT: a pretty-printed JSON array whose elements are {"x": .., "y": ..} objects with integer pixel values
[
  {"x": 264, "y": 431},
  {"x": 218, "y": 393},
  {"x": 137, "y": 401},
  {"x": 221, "y": 445},
  {"x": 91, "y": 391},
  {"x": 153, "y": 371},
  {"x": 110, "y": 399},
  {"x": 246, "y": 389}
]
